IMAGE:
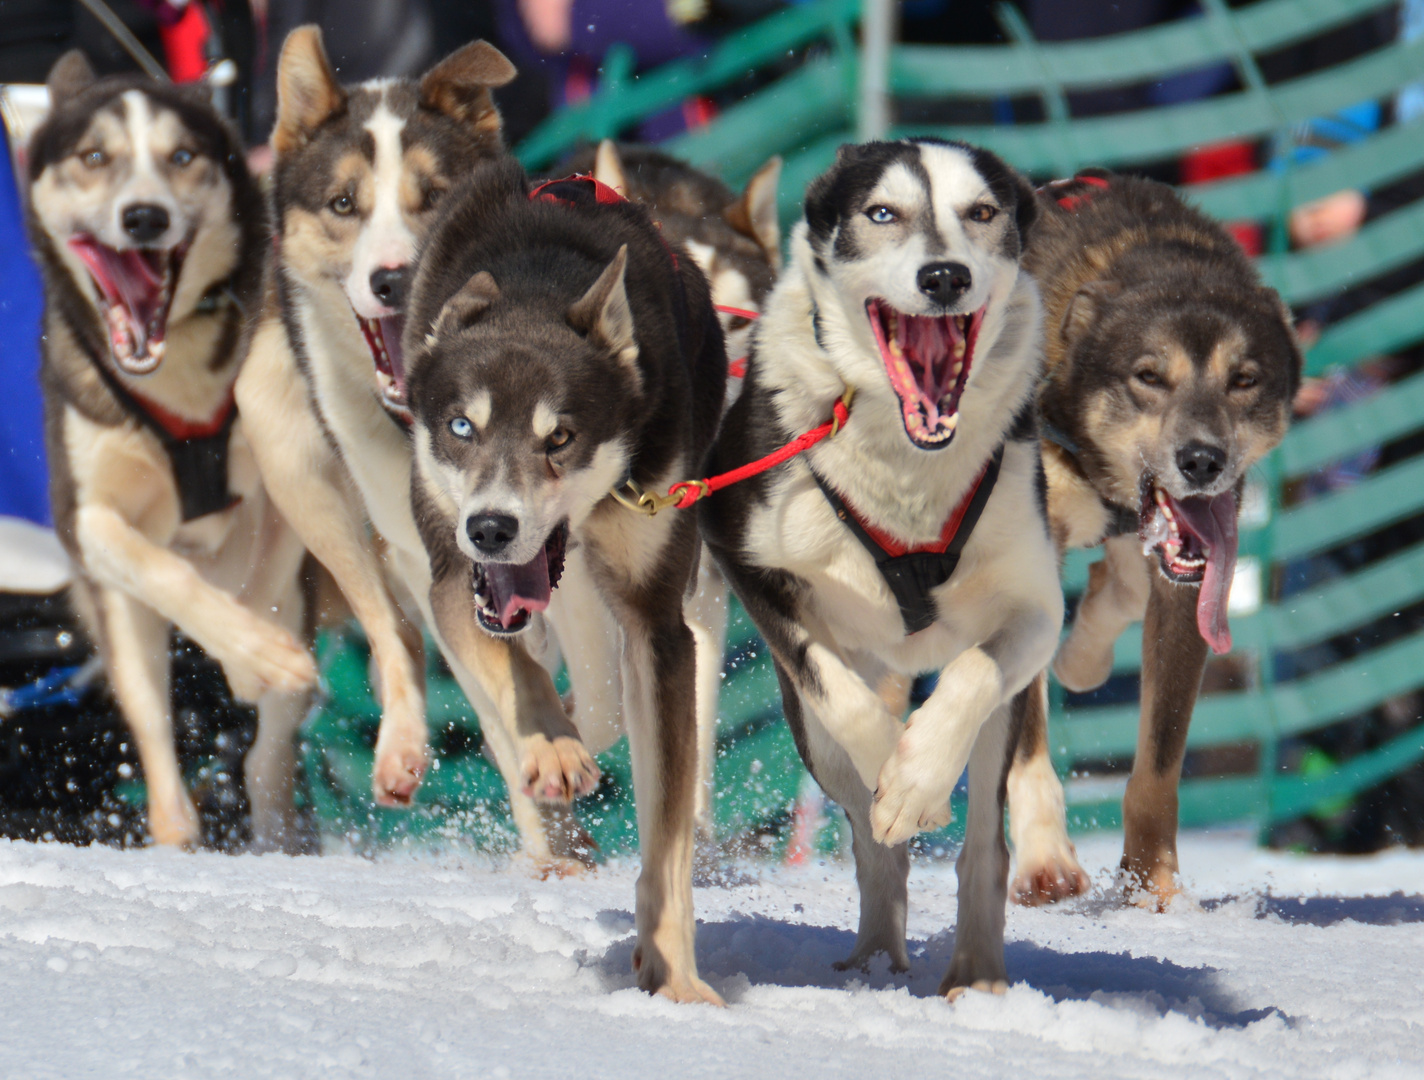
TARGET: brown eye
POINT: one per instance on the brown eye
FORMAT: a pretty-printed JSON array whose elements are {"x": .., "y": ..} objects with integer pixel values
[
  {"x": 983, "y": 213},
  {"x": 94, "y": 159},
  {"x": 1147, "y": 377},
  {"x": 343, "y": 205},
  {"x": 737, "y": 323},
  {"x": 1243, "y": 380},
  {"x": 559, "y": 438},
  {"x": 431, "y": 197}
]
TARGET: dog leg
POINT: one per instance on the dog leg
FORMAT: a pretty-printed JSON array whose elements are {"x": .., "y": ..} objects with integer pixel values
[
  {"x": 1116, "y": 598},
  {"x": 914, "y": 786},
  {"x": 983, "y": 868},
  {"x": 706, "y": 614},
  {"x": 659, "y": 686},
  {"x": 309, "y": 485},
  {"x": 1048, "y": 868},
  {"x": 882, "y": 873},
  {"x": 137, "y": 646},
  {"x": 1173, "y": 659},
  {"x": 256, "y": 654}
]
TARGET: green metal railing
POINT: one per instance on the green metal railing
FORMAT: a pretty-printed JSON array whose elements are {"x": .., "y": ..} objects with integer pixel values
[{"x": 807, "y": 58}]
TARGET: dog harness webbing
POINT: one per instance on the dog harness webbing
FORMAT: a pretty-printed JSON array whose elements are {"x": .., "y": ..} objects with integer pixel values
[
  {"x": 1091, "y": 178},
  {"x": 197, "y": 451},
  {"x": 914, "y": 573}
]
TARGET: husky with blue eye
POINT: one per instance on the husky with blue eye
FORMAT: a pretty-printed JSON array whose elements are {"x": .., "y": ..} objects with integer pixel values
[
  {"x": 152, "y": 240},
  {"x": 914, "y": 539}
]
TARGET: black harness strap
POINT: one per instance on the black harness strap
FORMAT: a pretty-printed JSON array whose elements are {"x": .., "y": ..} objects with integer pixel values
[
  {"x": 914, "y": 575},
  {"x": 199, "y": 461}
]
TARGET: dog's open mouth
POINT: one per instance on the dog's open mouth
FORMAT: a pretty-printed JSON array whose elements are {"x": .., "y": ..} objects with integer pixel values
[
  {"x": 507, "y": 594},
  {"x": 928, "y": 358},
  {"x": 136, "y": 292},
  {"x": 1195, "y": 541},
  {"x": 383, "y": 337}
]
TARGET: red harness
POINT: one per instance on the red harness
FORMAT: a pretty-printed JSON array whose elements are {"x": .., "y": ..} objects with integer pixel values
[{"x": 1071, "y": 202}]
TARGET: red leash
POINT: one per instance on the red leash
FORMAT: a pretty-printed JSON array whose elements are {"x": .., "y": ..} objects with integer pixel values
[
  {"x": 737, "y": 369},
  {"x": 686, "y": 492}
]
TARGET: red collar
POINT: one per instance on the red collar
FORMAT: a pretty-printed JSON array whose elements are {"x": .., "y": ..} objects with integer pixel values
[{"x": 181, "y": 429}]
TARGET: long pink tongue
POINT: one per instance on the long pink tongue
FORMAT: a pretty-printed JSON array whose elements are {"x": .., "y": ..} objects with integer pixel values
[
  {"x": 391, "y": 328},
  {"x": 519, "y": 588},
  {"x": 1214, "y": 522}
]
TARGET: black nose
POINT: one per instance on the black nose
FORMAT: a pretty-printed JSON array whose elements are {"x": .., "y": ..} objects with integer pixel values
[
  {"x": 1201, "y": 464},
  {"x": 491, "y": 533},
  {"x": 944, "y": 282},
  {"x": 145, "y": 222},
  {"x": 388, "y": 284}
]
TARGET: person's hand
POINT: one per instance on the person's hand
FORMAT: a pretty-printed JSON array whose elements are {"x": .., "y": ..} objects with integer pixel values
[
  {"x": 549, "y": 22},
  {"x": 1335, "y": 217}
]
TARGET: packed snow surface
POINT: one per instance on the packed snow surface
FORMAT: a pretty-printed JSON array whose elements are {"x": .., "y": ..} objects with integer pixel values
[{"x": 162, "y": 964}]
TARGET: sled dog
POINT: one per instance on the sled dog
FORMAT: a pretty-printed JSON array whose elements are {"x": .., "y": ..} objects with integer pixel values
[
  {"x": 561, "y": 351},
  {"x": 913, "y": 539},
  {"x": 1170, "y": 371},
  {"x": 151, "y": 237},
  {"x": 358, "y": 174}
]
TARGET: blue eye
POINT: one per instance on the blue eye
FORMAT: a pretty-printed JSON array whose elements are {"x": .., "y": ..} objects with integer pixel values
[
  {"x": 461, "y": 428},
  {"x": 882, "y": 215},
  {"x": 181, "y": 157}
]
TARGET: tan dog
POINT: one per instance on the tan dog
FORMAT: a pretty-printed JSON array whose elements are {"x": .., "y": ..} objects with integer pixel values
[
  {"x": 152, "y": 238},
  {"x": 358, "y": 173}
]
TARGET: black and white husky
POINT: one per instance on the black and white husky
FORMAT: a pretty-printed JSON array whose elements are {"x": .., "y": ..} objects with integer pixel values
[{"x": 914, "y": 539}]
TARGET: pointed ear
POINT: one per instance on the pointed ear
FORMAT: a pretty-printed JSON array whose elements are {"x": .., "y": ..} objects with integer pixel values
[
  {"x": 459, "y": 86},
  {"x": 466, "y": 307},
  {"x": 754, "y": 214},
  {"x": 71, "y": 74},
  {"x": 1087, "y": 303},
  {"x": 603, "y": 315},
  {"x": 608, "y": 168},
  {"x": 307, "y": 90}
]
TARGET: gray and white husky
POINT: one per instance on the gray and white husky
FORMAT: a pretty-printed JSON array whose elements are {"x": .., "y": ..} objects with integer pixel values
[
  {"x": 152, "y": 241},
  {"x": 914, "y": 539}
]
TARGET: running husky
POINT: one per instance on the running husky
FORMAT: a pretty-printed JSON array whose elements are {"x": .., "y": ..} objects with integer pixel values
[
  {"x": 151, "y": 237},
  {"x": 1170, "y": 372},
  {"x": 359, "y": 172},
  {"x": 560, "y": 351},
  {"x": 914, "y": 539}
]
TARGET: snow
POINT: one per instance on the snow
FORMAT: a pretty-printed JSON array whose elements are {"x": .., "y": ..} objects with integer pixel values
[{"x": 163, "y": 964}]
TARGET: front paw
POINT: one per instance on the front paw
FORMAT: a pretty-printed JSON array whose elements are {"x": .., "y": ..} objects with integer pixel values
[
  {"x": 399, "y": 768},
  {"x": 911, "y": 796},
  {"x": 557, "y": 770},
  {"x": 258, "y": 655}
]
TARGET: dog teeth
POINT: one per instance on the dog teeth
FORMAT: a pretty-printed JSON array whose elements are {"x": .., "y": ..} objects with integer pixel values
[
  {"x": 958, "y": 366},
  {"x": 156, "y": 349}
]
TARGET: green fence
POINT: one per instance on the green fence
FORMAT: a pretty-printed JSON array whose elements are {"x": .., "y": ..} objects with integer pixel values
[{"x": 807, "y": 57}]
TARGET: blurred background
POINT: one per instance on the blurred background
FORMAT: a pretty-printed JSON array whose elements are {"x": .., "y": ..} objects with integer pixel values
[{"x": 1299, "y": 123}]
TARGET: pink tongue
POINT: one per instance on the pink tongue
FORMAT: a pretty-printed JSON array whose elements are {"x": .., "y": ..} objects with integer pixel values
[
  {"x": 125, "y": 276},
  {"x": 518, "y": 588},
  {"x": 391, "y": 328},
  {"x": 1214, "y": 522}
]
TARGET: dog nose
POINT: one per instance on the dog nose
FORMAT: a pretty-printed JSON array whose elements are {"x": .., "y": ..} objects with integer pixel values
[
  {"x": 145, "y": 222},
  {"x": 944, "y": 282},
  {"x": 491, "y": 533},
  {"x": 1201, "y": 463},
  {"x": 388, "y": 284}
]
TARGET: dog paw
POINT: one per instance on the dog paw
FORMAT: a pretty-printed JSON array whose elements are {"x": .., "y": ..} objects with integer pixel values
[
  {"x": 683, "y": 988},
  {"x": 173, "y": 822},
  {"x": 557, "y": 770},
  {"x": 258, "y": 655},
  {"x": 1048, "y": 879},
  {"x": 397, "y": 773},
  {"x": 1082, "y": 666},
  {"x": 559, "y": 867},
  {"x": 910, "y": 797},
  {"x": 985, "y": 986}
]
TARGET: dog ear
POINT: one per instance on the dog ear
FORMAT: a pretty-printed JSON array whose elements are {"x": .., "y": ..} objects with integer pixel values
[
  {"x": 459, "y": 86},
  {"x": 1085, "y": 306},
  {"x": 603, "y": 314},
  {"x": 608, "y": 168},
  {"x": 307, "y": 90},
  {"x": 71, "y": 74},
  {"x": 754, "y": 214},
  {"x": 1025, "y": 208},
  {"x": 466, "y": 307}
]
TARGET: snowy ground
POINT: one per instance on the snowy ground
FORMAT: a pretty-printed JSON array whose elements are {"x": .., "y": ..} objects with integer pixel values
[{"x": 159, "y": 964}]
